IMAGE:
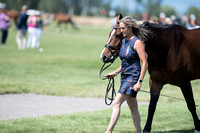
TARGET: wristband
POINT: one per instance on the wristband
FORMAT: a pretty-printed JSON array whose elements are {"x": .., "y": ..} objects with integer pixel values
[{"x": 115, "y": 73}]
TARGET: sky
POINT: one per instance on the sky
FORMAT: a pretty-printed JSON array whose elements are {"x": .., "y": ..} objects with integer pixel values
[{"x": 180, "y": 6}]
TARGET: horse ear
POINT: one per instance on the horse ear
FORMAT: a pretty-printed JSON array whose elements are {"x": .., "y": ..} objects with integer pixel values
[{"x": 119, "y": 17}]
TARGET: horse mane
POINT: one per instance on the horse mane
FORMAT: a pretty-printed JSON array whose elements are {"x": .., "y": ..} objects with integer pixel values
[
  {"x": 146, "y": 24},
  {"x": 153, "y": 27}
]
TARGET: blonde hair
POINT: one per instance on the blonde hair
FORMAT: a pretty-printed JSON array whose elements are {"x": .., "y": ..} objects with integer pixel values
[{"x": 140, "y": 32}]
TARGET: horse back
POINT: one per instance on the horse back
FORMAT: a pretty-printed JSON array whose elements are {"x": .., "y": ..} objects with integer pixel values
[
  {"x": 173, "y": 54},
  {"x": 13, "y": 13}
]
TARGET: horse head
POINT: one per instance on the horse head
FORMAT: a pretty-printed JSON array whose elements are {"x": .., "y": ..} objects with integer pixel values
[{"x": 112, "y": 47}]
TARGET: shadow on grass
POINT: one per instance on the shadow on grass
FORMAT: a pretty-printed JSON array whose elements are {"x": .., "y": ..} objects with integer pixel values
[
  {"x": 175, "y": 131},
  {"x": 172, "y": 131}
]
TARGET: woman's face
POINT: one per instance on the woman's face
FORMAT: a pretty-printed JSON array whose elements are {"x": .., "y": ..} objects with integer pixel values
[{"x": 124, "y": 29}]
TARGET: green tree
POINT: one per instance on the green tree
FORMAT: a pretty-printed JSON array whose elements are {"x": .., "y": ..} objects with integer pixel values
[
  {"x": 17, "y": 4},
  {"x": 152, "y": 7},
  {"x": 54, "y": 6},
  {"x": 194, "y": 10},
  {"x": 168, "y": 10}
]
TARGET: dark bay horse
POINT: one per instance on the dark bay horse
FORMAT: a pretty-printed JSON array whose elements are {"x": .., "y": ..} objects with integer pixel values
[{"x": 173, "y": 58}]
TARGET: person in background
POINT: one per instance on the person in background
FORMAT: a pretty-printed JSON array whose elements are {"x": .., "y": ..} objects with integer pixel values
[
  {"x": 192, "y": 24},
  {"x": 47, "y": 21},
  {"x": 153, "y": 19},
  {"x": 22, "y": 29},
  {"x": 162, "y": 18},
  {"x": 4, "y": 23},
  {"x": 185, "y": 20},
  {"x": 145, "y": 16},
  {"x": 39, "y": 28},
  {"x": 31, "y": 29}
]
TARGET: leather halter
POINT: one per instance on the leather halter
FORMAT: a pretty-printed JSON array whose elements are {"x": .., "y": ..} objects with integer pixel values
[
  {"x": 111, "y": 81},
  {"x": 117, "y": 48},
  {"x": 110, "y": 48}
]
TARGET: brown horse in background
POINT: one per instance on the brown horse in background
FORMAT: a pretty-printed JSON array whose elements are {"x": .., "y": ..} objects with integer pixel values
[
  {"x": 173, "y": 58},
  {"x": 13, "y": 14},
  {"x": 62, "y": 18}
]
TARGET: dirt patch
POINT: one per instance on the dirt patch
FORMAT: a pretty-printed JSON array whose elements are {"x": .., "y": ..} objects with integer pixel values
[
  {"x": 13, "y": 106},
  {"x": 94, "y": 21}
]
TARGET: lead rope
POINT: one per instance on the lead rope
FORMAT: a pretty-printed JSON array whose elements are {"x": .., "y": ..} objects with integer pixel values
[
  {"x": 102, "y": 69},
  {"x": 110, "y": 86},
  {"x": 154, "y": 93}
]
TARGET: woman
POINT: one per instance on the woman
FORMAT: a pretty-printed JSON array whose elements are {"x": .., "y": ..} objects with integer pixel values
[
  {"x": 39, "y": 27},
  {"x": 32, "y": 36},
  {"x": 22, "y": 29},
  {"x": 4, "y": 24},
  {"x": 132, "y": 74}
]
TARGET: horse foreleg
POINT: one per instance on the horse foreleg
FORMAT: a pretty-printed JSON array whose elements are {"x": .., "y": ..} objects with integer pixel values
[
  {"x": 155, "y": 89},
  {"x": 188, "y": 95},
  {"x": 73, "y": 24}
]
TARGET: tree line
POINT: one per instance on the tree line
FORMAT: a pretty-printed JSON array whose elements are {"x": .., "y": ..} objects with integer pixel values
[
  {"x": 55, "y": 6},
  {"x": 94, "y": 7}
]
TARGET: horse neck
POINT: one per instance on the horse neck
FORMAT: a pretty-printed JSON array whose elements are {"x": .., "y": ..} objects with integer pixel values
[{"x": 158, "y": 47}]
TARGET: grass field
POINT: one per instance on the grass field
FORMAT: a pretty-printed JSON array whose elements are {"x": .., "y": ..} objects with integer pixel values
[
  {"x": 169, "y": 118},
  {"x": 69, "y": 66}
]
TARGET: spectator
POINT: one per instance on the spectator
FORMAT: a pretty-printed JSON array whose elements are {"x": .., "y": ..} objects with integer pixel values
[
  {"x": 39, "y": 28},
  {"x": 145, "y": 17},
  {"x": 192, "y": 24},
  {"x": 185, "y": 21},
  {"x": 47, "y": 21},
  {"x": 162, "y": 18},
  {"x": 168, "y": 20},
  {"x": 31, "y": 29},
  {"x": 153, "y": 19},
  {"x": 22, "y": 29},
  {"x": 4, "y": 23}
]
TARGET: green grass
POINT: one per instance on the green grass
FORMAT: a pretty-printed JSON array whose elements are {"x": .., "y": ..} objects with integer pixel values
[
  {"x": 174, "y": 118},
  {"x": 69, "y": 66}
]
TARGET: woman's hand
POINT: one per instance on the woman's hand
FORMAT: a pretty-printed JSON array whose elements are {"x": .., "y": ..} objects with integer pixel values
[
  {"x": 111, "y": 75},
  {"x": 137, "y": 86}
]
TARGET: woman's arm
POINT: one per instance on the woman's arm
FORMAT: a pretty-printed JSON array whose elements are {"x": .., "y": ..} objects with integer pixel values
[
  {"x": 139, "y": 47},
  {"x": 114, "y": 73}
]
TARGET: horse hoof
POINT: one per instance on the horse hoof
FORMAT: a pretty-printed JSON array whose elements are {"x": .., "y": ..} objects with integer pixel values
[{"x": 196, "y": 131}]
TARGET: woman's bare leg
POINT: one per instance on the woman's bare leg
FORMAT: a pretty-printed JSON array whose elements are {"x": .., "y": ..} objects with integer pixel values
[
  {"x": 119, "y": 99},
  {"x": 133, "y": 105}
]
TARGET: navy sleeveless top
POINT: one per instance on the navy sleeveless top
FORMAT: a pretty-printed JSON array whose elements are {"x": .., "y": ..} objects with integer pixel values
[{"x": 130, "y": 67}]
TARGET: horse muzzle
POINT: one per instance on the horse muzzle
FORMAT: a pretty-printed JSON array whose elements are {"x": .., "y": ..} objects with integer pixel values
[{"x": 108, "y": 59}]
